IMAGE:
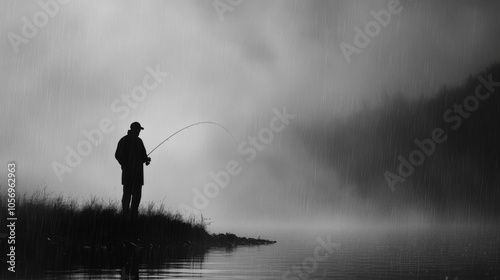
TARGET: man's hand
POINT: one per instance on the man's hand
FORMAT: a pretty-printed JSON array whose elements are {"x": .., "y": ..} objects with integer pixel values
[{"x": 148, "y": 161}]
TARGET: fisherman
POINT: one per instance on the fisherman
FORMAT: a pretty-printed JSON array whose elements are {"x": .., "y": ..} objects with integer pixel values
[{"x": 131, "y": 154}]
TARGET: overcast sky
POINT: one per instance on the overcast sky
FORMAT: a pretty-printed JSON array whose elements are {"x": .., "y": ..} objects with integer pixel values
[{"x": 232, "y": 68}]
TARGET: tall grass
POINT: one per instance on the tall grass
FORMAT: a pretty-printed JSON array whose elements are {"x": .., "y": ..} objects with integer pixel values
[{"x": 53, "y": 230}]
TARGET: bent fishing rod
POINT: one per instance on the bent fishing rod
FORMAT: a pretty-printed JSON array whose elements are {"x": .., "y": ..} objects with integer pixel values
[{"x": 184, "y": 128}]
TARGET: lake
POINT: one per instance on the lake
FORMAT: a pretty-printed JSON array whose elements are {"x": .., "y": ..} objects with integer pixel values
[{"x": 437, "y": 253}]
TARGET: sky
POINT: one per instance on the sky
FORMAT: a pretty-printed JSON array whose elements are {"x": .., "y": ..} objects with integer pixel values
[{"x": 236, "y": 63}]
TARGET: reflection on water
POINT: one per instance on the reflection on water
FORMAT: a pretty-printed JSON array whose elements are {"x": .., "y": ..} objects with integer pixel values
[{"x": 436, "y": 254}]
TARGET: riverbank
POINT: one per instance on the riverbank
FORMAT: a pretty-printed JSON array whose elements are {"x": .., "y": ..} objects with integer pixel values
[{"x": 53, "y": 233}]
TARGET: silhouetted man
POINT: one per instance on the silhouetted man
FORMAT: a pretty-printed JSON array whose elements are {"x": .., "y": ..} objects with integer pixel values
[{"x": 131, "y": 155}]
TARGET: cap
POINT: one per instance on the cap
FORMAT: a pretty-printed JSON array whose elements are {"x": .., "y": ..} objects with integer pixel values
[{"x": 136, "y": 125}]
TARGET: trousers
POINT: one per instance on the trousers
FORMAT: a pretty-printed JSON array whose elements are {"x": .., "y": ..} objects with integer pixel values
[{"x": 131, "y": 200}]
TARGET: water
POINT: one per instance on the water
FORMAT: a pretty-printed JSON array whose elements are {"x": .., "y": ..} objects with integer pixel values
[{"x": 361, "y": 254}]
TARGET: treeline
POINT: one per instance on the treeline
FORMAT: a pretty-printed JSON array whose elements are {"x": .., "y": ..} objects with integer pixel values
[{"x": 375, "y": 149}]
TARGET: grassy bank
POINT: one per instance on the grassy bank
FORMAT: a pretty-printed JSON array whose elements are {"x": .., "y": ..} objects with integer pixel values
[{"x": 56, "y": 233}]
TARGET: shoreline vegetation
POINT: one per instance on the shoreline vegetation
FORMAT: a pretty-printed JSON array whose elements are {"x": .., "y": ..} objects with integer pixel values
[{"x": 55, "y": 233}]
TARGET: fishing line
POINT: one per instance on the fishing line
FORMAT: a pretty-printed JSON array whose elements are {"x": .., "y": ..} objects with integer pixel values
[{"x": 184, "y": 128}]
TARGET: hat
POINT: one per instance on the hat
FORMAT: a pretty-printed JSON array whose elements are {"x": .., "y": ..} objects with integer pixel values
[{"x": 136, "y": 126}]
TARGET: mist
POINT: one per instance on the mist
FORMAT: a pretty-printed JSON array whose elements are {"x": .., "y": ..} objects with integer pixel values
[{"x": 326, "y": 166}]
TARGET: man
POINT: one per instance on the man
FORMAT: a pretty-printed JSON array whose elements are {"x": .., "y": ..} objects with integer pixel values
[{"x": 131, "y": 155}]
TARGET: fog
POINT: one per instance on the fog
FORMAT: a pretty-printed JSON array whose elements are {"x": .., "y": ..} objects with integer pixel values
[{"x": 324, "y": 167}]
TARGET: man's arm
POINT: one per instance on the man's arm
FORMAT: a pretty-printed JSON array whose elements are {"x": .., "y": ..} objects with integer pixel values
[{"x": 145, "y": 158}]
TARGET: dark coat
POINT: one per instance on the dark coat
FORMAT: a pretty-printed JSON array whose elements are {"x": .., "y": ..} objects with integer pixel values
[{"x": 131, "y": 154}]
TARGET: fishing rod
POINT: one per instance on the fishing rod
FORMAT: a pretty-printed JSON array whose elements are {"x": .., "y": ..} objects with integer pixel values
[{"x": 184, "y": 128}]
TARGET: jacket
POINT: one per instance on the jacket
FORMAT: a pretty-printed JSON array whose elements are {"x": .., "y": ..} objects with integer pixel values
[{"x": 131, "y": 154}]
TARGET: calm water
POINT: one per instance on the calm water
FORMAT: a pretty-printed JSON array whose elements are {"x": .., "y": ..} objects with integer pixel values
[{"x": 369, "y": 254}]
